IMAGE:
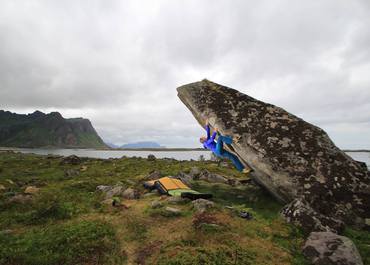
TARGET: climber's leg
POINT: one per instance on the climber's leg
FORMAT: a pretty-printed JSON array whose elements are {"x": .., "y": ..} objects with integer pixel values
[
  {"x": 220, "y": 143},
  {"x": 219, "y": 146},
  {"x": 239, "y": 166}
]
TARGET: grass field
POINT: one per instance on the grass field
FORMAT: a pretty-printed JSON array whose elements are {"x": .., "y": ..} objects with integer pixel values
[{"x": 66, "y": 221}]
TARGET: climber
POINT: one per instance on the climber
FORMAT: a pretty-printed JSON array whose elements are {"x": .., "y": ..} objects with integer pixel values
[{"x": 217, "y": 148}]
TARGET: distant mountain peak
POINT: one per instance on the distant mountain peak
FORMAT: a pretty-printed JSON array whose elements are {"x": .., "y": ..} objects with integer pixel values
[
  {"x": 38, "y": 113},
  {"x": 38, "y": 129},
  {"x": 142, "y": 144}
]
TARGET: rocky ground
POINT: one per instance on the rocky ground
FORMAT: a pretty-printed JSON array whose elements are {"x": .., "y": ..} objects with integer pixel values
[{"x": 56, "y": 210}]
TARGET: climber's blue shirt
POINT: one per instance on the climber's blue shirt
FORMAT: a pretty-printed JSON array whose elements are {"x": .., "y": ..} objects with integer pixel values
[{"x": 210, "y": 142}]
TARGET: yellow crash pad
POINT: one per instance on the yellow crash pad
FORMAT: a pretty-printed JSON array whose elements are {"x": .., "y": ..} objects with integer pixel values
[{"x": 172, "y": 184}]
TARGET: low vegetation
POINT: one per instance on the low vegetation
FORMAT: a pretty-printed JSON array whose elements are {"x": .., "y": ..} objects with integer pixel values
[{"x": 67, "y": 222}]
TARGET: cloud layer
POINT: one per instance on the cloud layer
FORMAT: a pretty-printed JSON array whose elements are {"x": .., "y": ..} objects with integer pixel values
[{"x": 118, "y": 62}]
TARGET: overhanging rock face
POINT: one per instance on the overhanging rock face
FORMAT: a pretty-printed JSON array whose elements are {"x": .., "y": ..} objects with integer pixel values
[{"x": 291, "y": 158}]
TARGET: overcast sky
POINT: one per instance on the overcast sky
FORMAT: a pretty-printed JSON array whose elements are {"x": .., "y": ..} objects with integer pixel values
[{"x": 118, "y": 63}]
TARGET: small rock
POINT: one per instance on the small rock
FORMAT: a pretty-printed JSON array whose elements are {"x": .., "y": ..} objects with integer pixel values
[
  {"x": 70, "y": 173},
  {"x": 213, "y": 178},
  {"x": 21, "y": 199},
  {"x": 151, "y": 157},
  {"x": 234, "y": 182},
  {"x": 6, "y": 232},
  {"x": 154, "y": 175},
  {"x": 130, "y": 194},
  {"x": 2, "y": 188},
  {"x": 10, "y": 181},
  {"x": 115, "y": 191},
  {"x": 194, "y": 172},
  {"x": 176, "y": 200},
  {"x": 173, "y": 211},
  {"x": 83, "y": 168},
  {"x": 224, "y": 164},
  {"x": 31, "y": 190},
  {"x": 51, "y": 156},
  {"x": 156, "y": 204},
  {"x": 71, "y": 160},
  {"x": 103, "y": 188},
  {"x": 149, "y": 194},
  {"x": 201, "y": 205},
  {"x": 108, "y": 202},
  {"x": 332, "y": 249},
  {"x": 186, "y": 178},
  {"x": 246, "y": 215}
]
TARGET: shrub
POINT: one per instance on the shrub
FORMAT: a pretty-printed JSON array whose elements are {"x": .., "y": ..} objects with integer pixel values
[
  {"x": 203, "y": 218},
  {"x": 44, "y": 211}
]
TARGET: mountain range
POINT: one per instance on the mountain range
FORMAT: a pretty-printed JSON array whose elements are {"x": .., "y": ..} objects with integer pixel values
[
  {"x": 39, "y": 129},
  {"x": 143, "y": 144}
]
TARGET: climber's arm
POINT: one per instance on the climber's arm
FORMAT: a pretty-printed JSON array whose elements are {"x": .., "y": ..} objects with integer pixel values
[
  {"x": 208, "y": 131},
  {"x": 214, "y": 135}
]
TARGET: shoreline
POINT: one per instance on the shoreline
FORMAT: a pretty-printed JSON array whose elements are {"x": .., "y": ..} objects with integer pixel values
[
  {"x": 141, "y": 149},
  {"x": 103, "y": 149}
]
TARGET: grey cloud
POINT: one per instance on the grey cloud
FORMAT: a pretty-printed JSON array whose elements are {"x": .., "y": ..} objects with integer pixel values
[{"x": 119, "y": 62}]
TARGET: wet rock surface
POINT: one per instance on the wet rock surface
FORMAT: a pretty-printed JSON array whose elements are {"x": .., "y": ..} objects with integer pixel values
[
  {"x": 291, "y": 158},
  {"x": 327, "y": 248}
]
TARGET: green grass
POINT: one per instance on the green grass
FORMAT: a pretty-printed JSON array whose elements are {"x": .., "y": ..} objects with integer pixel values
[
  {"x": 69, "y": 243},
  {"x": 217, "y": 256},
  {"x": 362, "y": 242},
  {"x": 67, "y": 223}
]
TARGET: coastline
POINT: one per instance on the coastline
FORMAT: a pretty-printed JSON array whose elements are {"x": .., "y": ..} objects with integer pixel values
[{"x": 107, "y": 149}]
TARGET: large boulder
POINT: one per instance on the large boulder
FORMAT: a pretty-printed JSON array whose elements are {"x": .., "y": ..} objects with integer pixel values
[
  {"x": 327, "y": 248},
  {"x": 291, "y": 158},
  {"x": 299, "y": 213}
]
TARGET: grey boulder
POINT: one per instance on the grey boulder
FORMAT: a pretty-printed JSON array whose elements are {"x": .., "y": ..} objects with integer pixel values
[
  {"x": 201, "y": 205},
  {"x": 327, "y": 248},
  {"x": 300, "y": 213},
  {"x": 111, "y": 191},
  {"x": 290, "y": 157},
  {"x": 130, "y": 194},
  {"x": 211, "y": 177}
]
